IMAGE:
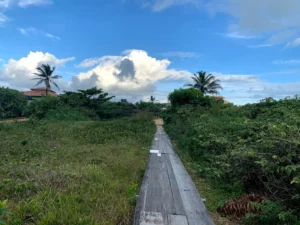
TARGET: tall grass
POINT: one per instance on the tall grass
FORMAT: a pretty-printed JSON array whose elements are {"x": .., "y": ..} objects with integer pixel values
[{"x": 73, "y": 173}]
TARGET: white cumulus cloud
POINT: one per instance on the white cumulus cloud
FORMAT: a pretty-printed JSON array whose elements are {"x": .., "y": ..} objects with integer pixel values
[
  {"x": 89, "y": 62},
  {"x": 133, "y": 74},
  {"x": 19, "y": 72}
]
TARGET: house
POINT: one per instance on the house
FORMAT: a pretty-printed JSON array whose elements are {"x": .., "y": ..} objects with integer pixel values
[
  {"x": 219, "y": 98},
  {"x": 36, "y": 93}
]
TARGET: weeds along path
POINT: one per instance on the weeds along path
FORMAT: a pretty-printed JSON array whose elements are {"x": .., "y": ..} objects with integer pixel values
[{"x": 168, "y": 196}]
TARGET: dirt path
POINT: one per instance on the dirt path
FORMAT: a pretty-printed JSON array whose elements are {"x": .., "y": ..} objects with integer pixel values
[
  {"x": 22, "y": 119},
  {"x": 159, "y": 122}
]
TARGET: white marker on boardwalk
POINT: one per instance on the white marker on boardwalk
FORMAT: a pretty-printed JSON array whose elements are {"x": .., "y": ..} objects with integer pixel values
[{"x": 153, "y": 151}]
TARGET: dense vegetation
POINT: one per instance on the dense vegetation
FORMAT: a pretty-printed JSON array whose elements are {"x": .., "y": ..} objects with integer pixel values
[
  {"x": 12, "y": 103},
  {"x": 90, "y": 104},
  {"x": 72, "y": 172},
  {"x": 247, "y": 149}
]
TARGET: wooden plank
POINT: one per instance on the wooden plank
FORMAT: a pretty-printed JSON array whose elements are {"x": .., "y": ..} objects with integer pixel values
[
  {"x": 151, "y": 218},
  {"x": 178, "y": 204},
  {"x": 141, "y": 201},
  {"x": 168, "y": 196},
  {"x": 195, "y": 209},
  {"x": 159, "y": 194},
  {"x": 177, "y": 220}
]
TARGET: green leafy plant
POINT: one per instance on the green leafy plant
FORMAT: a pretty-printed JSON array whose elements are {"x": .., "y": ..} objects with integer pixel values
[
  {"x": 188, "y": 96},
  {"x": 3, "y": 211},
  {"x": 12, "y": 103},
  {"x": 256, "y": 146}
]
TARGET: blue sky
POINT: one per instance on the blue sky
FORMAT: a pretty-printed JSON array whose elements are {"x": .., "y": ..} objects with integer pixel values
[{"x": 137, "y": 48}]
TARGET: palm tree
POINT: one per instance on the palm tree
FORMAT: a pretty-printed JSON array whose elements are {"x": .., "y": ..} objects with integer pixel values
[
  {"x": 206, "y": 83},
  {"x": 152, "y": 98},
  {"x": 45, "y": 74}
]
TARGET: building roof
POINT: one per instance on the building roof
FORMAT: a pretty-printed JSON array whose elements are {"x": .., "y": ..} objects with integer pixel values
[
  {"x": 221, "y": 98},
  {"x": 39, "y": 92},
  {"x": 218, "y": 97}
]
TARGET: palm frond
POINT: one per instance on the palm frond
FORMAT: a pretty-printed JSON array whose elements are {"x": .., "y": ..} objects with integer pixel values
[
  {"x": 40, "y": 75},
  {"x": 44, "y": 74},
  {"x": 38, "y": 83},
  {"x": 210, "y": 78},
  {"x": 56, "y": 77},
  {"x": 54, "y": 84},
  {"x": 39, "y": 69},
  {"x": 206, "y": 83}
]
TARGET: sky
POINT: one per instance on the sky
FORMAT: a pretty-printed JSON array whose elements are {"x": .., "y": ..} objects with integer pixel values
[{"x": 137, "y": 48}]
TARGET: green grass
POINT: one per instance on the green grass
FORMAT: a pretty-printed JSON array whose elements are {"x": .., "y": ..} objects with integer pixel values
[{"x": 73, "y": 173}]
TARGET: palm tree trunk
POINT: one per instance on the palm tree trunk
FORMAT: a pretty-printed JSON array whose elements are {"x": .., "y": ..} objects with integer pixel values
[{"x": 47, "y": 87}]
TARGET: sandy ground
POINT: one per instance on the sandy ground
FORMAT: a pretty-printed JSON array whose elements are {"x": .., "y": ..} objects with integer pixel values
[
  {"x": 15, "y": 120},
  {"x": 159, "y": 122}
]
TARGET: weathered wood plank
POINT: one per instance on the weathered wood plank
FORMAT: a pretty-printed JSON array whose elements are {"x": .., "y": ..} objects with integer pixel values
[
  {"x": 177, "y": 220},
  {"x": 178, "y": 204},
  {"x": 159, "y": 195},
  {"x": 151, "y": 218},
  {"x": 195, "y": 209},
  {"x": 168, "y": 196}
]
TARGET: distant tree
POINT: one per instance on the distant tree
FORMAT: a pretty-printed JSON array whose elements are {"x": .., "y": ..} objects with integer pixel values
[
  {"x": 206, "y": 83},
  {"x": 188, "y": 96},
  {"x": 96, "y": 93},
  {"x": 45, "y": 75},
  {"x": 152, "y": 99},
  {"x": 91, "y": 98}
]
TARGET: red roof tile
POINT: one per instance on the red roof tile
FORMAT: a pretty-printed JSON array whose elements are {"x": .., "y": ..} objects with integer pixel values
[
  {"x": 39, "y": 92},
  {"x": 218, "y": 97}
]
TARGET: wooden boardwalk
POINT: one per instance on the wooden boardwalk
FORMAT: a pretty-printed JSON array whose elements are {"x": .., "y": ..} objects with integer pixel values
[{"x": 168, "y": 196}]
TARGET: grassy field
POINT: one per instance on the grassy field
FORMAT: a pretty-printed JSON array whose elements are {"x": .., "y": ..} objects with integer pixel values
[{"x": 73, "y": 173}]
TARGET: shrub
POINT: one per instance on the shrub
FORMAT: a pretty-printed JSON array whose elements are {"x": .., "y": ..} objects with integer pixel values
[
  {"x": 255, "y": 146},
  {"x": 65, "y": 114},
  {"x": 188, "y": 96},
  {"x": 149, "y": 107},
  {"x": 109, "y": 110},
  {"x": 41, "y": 107},
  {"x": 12, "y": 103},
  {"x": 3, "y": 212}
]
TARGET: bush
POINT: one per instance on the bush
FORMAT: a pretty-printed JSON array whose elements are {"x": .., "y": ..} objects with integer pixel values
[
  {"x": 188, "y": 96},
  {"x": 255, "y": 146},
  {"x": 39, "y": 108},
  {"x": 12, "y": 103},
  {"x": 110, "y": 110},
  {"x": 65, "y": 114},
  {"x": 149, "y": 107}
]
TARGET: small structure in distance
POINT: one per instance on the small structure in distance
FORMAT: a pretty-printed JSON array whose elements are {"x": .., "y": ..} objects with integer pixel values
[{"x": 37, "y": 93}]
